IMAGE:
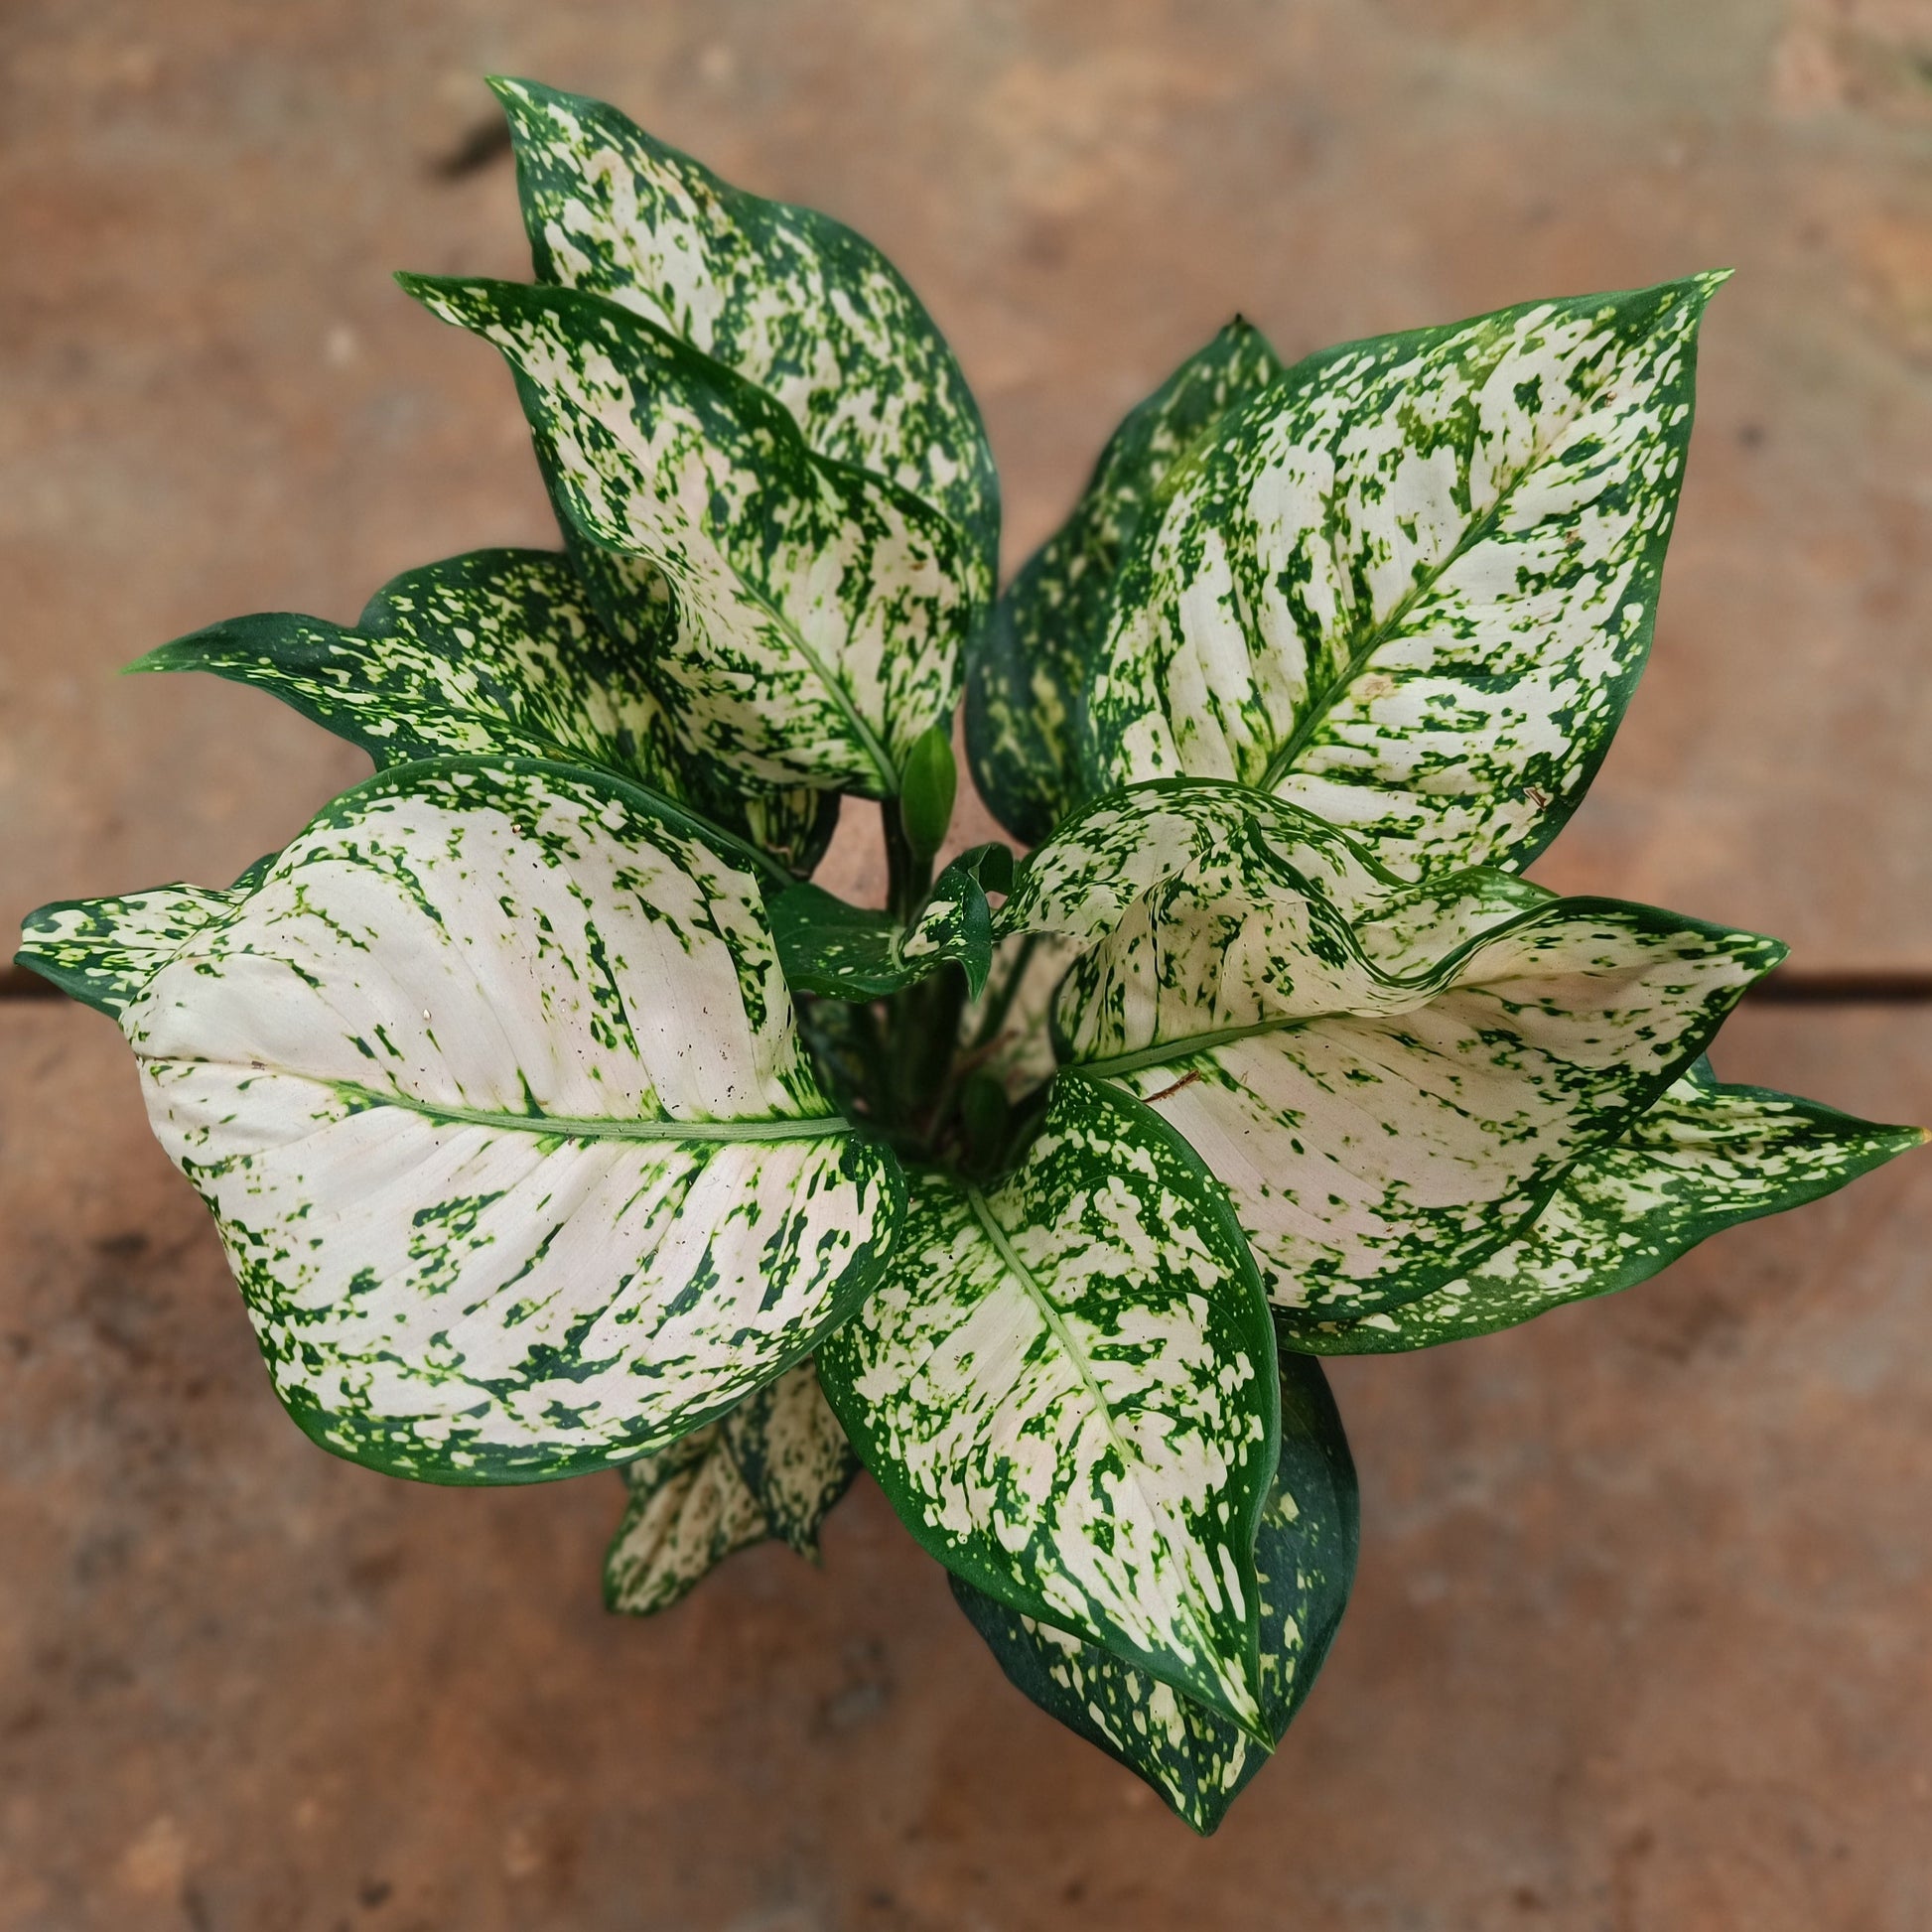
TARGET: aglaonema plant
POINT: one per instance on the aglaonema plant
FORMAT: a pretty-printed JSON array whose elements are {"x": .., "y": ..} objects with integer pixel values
[{"x": 553, "y": 1121}]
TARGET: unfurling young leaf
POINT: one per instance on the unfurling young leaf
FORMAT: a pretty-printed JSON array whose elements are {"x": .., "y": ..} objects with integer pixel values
[
  {"x": 931, "y": 781},
  {"x": 552, "y": 1123}
]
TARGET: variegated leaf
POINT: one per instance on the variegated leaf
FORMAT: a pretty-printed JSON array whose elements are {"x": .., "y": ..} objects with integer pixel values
[
  {"x": 500, "y": 651},
  {"x": 1305, "y": 1560},
  {"x": 788, "y": 298},
  {"x": 1703, "y": 1159},
  {"x": 492, "y": 1083},
  {"x": 1064, "y": 1385},
  {"x": 104, "y": 951},
  {"x": 818, "y": 609},
  {"x": 1412, "y": 586},
  {"x": 1028, "y": 669},
  {"x": 1388, "y": 1093},
  {"x": 792, "y": 1455},
  {"x": 854, "y": 952},
  {"x": 686, "y": 1511},
  {"x": 773, "y": 1467}
]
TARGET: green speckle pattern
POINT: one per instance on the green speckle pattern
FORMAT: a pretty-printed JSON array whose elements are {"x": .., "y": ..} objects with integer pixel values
[
  {"x": 773, "y": 1467},
  {"x": 1387, "y": 1093},
  {"x": 1412, "y": 586},
  {"x": 1703, "y": 1159},
  {"x": 1065, "y": 1386},
  {"x": 493, "y": 1087},
  {"x": 1027, "y": 670},
  {"x": 792, "y": 1455},
  {"x": 1305, "y": 1563},
  {"x": 817, "y": 611},
  {"x": 103, "y": 951},
  {"x": 786, "y": 297},
  {"x": 499, "y": 650}
]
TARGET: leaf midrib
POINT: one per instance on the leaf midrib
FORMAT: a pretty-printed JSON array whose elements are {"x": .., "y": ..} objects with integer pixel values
[
  {"x": 1311, "y": 721},
  {"x": 579, "y": 1128},
  {"x": 868, "y": 743},
  {"x": 1057, "y": 1325}
]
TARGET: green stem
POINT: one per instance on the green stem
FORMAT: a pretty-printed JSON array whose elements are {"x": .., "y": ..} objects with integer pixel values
[{"x": 908, "y": 877}]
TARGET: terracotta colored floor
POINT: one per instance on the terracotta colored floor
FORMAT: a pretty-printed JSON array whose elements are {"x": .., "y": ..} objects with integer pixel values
[{"x": 1639, "y": 1636}]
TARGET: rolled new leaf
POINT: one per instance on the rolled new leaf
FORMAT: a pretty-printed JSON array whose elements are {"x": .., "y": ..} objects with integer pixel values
[
  {"x": 1028, "y": 668},
  {"x": 1412, "y": 586},
  {"x": 1387, "y": 1093},
  {"x": 773, "y": 1467},
  {"x": 1703, "y": 1159},
  {"x": 1065, "y": 1386},
  {"x": 788, "y": 298},
  {"x": 499, "y": 650},
  {"x": 1305, "y": 1563},
  {"x": 493, "y": 1086},
  {"x": 819, "y": 608}
]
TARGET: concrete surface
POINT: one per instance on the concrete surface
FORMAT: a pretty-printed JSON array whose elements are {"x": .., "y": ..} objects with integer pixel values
[{"x": 1638, "y": 1638}]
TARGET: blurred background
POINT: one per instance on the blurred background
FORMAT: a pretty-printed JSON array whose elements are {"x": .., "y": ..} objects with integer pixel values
[{"x": 1638, "y": 1637}]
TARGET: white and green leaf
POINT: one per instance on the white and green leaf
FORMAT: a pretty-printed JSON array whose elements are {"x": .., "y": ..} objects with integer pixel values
[
  {"x": 1065, "y": 1386},
  {"x": 1703, "y": 1159},
  {"x": 104, "y": 951},
  {"x": 855, "y": 952},
  {"x": 818, "y": 609},
  {"x": 1386, "y": 1091},
  {"x": 1028, "y": 668},
  {"x": 1305, "y": 1563},
  {"x": 685, "y": 1511},
  {"x": 499, "y": 650},
  {"x": 792, "y": 1455},
  {"x": 773, "y": 1467},
  {"x": 493, "y": 1086},
  {"x": 1412, "y": 586},
  {"x": 788, "y": 298}
]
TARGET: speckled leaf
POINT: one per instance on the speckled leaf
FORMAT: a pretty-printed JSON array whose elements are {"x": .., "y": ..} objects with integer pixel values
[
  {"x": 687, "y": 1510},
  {"x": 792, "y": 1455},
  {"x": 773, "y": 1467},
  {"x": 1064, "y": 1385},
  {"x": 818, "y": 609},
  {"x": 1703, "y": 1159},
  {"x": 1412, "y": 586},
  {"x": 1386, "y": 1094},
  {"x": 103, "y": 951},
  {"x": 493, "y": 1086},
  {"x": 1305, "y": 1558},
  {"x": 788, "y": 298},
  {"x": 499, "y": 650},
  {"x": 854, "y": 952},
  {"x": 1028, "y": 669}
]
